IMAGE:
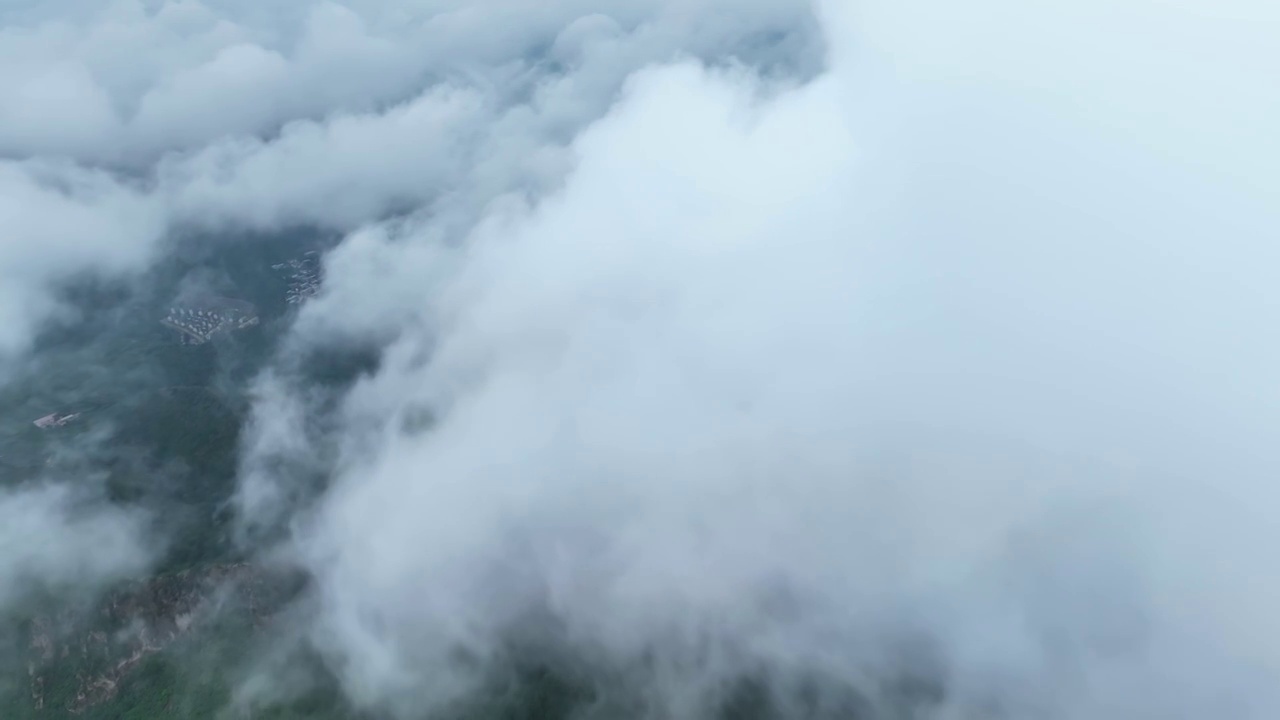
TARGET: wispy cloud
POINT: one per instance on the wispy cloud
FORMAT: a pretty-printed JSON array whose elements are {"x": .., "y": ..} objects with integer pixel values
[{"x": 54, "y": 539}]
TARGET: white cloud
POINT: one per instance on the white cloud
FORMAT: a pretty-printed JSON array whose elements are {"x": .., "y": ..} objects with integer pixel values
[
  {"x": 50, "y": 538},
  {"x": 967, "y": 337},
  {"x": 215, "y": 69},
  {"x": 61, "y": 221},
  {"x": 309, "y": 113}
]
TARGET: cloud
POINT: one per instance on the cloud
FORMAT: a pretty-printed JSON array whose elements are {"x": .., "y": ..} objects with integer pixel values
[
  {"x": 965, "y": 340},
  {"x": 313, "y": 114},
  {"x": 63, "y": 221},
  {"x": 130, "y": 128},
  {"x": 240, "y": 117},
  {"x": 698, "y": 364},
  {"x": 54, "y": 540},
  {"x": 214, "y": 70}
]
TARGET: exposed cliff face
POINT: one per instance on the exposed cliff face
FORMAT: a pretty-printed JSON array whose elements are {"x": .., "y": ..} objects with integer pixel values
[{"x": 92, "y": 658}]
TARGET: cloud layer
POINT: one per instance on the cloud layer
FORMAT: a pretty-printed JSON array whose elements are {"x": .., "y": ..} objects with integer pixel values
[
  {"x": 697, "y": 364},
  {"x": 238, "y": 119},
  {"x": 306, "y": 114},
  {"x": 964, "y": 340}
]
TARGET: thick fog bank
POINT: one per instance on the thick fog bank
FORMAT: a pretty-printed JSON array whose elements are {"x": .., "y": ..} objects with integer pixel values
[
  {"x": 964, "y": 346},
  {"x": 868, "y": 358}
]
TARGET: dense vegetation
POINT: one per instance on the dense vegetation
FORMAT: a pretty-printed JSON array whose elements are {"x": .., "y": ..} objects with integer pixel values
[{"x": 158, "y": 428}]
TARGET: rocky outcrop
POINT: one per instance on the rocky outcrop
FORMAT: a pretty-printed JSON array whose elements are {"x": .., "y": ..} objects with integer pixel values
[{"x": 141, "y": 620}]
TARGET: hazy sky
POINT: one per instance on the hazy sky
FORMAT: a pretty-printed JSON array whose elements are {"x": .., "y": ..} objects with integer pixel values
[{"x": 758, "y": 337}]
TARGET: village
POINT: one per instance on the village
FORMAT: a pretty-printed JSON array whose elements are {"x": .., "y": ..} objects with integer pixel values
[
  {"x": 199, "y": 322},
  {"x": 304, "y": 276}
]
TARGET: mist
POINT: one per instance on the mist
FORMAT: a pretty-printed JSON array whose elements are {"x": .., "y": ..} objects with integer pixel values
[
  {"x": 58, "y": 540},
  {"x": 961, "y": 344},
  {"x": 723, "y": 358}
]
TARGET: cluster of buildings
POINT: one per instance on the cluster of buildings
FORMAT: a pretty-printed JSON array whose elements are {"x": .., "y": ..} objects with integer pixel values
[
  {"x": 53, "y": 420},
  {"x": 197, "y": 324},
  {"x": 304, "y": 276}
]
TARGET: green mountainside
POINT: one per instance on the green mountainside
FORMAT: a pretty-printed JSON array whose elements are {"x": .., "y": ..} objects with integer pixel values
[{"x": 153, "y": 424}]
